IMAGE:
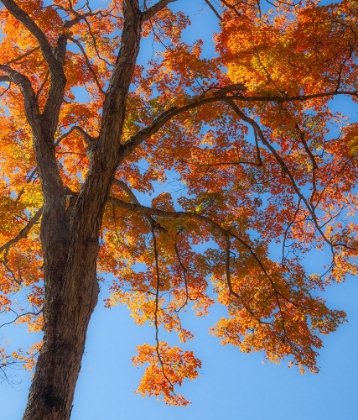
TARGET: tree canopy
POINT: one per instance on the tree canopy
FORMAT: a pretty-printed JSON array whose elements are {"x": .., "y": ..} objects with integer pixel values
[{"x": 181, "y": 176}]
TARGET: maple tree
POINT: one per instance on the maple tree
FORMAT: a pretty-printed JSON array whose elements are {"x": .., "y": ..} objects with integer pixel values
[{"x": 251, "y": 139}]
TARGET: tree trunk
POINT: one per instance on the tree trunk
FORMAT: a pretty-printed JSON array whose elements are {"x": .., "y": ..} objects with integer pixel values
[
  {"x": 69, "y": 237},
  {"x": 71, "y": 292},
  {"x": 58, "y": 366}
]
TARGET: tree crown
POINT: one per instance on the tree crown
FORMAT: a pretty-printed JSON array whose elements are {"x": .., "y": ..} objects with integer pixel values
[{"x": 259, "y": 160}]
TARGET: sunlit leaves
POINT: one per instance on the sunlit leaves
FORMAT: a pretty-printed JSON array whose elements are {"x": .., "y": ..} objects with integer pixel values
[
  {"x": 168, "y": 366},
  {"x": 251, "y": 172}
]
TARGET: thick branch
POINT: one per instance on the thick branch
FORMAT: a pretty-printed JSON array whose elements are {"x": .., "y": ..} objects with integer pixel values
[
  {"x": 126, "y": 189},
  {"x": 172, "y": 112},
  {"x": 283, "y": 165},
  {"x": 89, "y": 140},
  {"x": 156, "y": 8},
  {"x": 25, "y": 19},
  {"x": 54, "y": 62},
  {"x": 5, "y": 79},
  {"x": 300, "y": 98},
  {"x": 115, "y": 103},
  {"x": 89, "y": 65},
  {"x": 153, "y": 223},
  {"x": 138, "y": 208}
]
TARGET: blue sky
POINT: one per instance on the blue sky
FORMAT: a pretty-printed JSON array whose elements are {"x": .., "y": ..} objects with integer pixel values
[{"x": 232, "y": 385}]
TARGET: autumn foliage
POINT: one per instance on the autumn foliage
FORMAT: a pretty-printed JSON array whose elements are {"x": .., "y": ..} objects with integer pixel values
[{"x": 231, "y": 168}]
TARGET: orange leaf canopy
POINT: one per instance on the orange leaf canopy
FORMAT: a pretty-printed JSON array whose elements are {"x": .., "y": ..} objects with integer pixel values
[{"x": 249, "y": 168}]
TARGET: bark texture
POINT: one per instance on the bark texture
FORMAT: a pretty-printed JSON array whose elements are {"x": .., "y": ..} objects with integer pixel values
[{"x": 70, "y": 235}]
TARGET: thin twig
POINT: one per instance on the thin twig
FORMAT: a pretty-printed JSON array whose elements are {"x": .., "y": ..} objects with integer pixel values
[
  {"x": 216, "y": 13},
  {"x": 156, "y": 322}
]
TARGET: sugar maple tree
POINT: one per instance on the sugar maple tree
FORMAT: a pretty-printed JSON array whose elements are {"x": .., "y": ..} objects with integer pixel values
[{"x": 248, "y": 133}]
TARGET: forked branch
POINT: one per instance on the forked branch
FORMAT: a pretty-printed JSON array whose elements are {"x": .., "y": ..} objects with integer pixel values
[
  {"x": 138, "y": 208},
  {"x": 89, "y": 65},
  {"x": 283, "y": 166}
]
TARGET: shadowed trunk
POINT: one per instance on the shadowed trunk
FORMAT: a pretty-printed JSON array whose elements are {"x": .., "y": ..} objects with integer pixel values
[
  {"x": 69, "y": 236},
  {"x": 67, "y": 315}
]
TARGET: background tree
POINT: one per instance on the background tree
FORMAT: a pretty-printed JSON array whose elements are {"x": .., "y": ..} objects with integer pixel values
[{"x": 247, "y": 133}]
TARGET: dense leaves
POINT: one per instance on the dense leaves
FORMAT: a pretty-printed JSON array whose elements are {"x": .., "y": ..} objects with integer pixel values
[{"x": 249, "y": 169}]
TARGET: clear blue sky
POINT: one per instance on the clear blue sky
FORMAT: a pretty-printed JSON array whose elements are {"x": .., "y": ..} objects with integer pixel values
[{"x": 231, "y": 385}]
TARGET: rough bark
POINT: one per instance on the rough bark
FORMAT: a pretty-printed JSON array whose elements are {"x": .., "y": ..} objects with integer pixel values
[{"x": 70, "y": 236}]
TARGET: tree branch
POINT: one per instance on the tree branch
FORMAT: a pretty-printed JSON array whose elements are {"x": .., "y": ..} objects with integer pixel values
[
  {"x": 69, "y": 23},
  {"x": 5, "y": 79},
  {"x": 158, "y": 122},
  {"x": 283, "y": 165},
  {"x": 23, "y": 233},
  {"x": 149, "y": 13},
  {"x": 216, "y": 13},
  {"x": 184, "y": 270},
  {"x": 89, "y": 140},
  {"x": 30, "y": 101},
  {"x": 23, "y": 55},
  {"x": 300, "y": 98},
  {"x": 305, "y": 145},
  {"x": 43, "y": 84},
  {"x": 138, "y": 208},
  {"x": 89, "y": 65},
  {"x": 54, "y": 60},
  {"x": 25, "y": 19},
  {"x": 18, "y": 316},
  {"x": 156, "y": 321},
  {"x": 134, "y": 199}
]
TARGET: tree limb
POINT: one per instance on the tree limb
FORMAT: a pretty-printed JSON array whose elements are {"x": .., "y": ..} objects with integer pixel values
[
  {"x": 305, "y": 145},
  {"x": 138, "y": 208},
  {"x": 18, "y": 316},
  {"x": 149, "y": 13},
  {"x": 30, "y": 101},
  {"x": 300, "y": 98},
  {"x": 5, "y": 79},
  {"x": 156, "y": 320},
  {"x": 284, "y": 167},
  {"x": 158, "y": 122},
  {"x": 43, "y": 128},
  {"x": 25, "y": 19},
  {"x": 89, "y": 140},
  {"x": 133, "y": 199},
  {"x": 216, "y": 13},
  {"x": 23, "y": 55},
  {"x": 89, "y": 65}
]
